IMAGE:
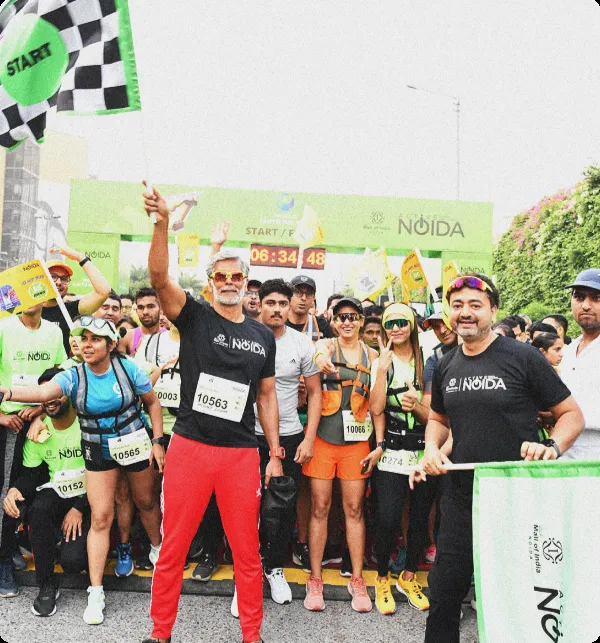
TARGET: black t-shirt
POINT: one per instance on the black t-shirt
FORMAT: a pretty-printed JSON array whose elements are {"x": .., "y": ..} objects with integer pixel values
[
  {"x": 492, "y": 399},
  {"x": 323, "y": 325},
  {"x": 242, "y": 353},
  {"x": 432, "y": 362},
  {"x": 54, "y": 314}
]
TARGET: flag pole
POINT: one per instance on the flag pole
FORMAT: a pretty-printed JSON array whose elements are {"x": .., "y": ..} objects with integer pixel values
[{"x": 470, "y": 466}]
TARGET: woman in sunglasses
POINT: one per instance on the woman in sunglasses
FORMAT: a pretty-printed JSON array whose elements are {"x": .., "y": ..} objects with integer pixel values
[
  {"x": 106, "y": 391},
  {"x": 341, "y": 448},
  {"x": 399, "y": 416}
]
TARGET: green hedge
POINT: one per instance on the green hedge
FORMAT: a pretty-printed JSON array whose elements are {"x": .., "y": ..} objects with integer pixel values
[{"x": 545, "y": 248}]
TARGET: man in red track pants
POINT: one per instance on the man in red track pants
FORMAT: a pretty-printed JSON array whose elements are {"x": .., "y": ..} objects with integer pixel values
[{"x": 227, "y": 364}]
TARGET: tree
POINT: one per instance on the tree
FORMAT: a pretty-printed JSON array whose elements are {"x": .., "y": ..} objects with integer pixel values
[
  {"x": 191, "y": 284},
  {"x": 139, "y": 277}
]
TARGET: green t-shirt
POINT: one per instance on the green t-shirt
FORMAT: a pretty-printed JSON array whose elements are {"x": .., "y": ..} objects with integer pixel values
[
  {"x": 25, "y": 354},
  {"x": 61, "y": 451},
  {"x": 72, "y": 361}
]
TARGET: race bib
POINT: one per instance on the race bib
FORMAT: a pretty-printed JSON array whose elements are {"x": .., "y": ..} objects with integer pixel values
[
  {"x": 130, "y": 448},
  {"x": 69, "y": 483},
  {"x": 167, "y": 390},
  {"x": 24, "y": 380},
  {"x": 355, "y": 431},
  {"x": 397, "y": 461},
  {"x": 220, "y": 397}
]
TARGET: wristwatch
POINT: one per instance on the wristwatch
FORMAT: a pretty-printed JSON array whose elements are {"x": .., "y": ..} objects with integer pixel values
[
  {"x": 381, "y": 444},
  {"x": 278, "y": 453},
  {"x": 551, "y": 443},
  {"x": 160, "y": 440}
]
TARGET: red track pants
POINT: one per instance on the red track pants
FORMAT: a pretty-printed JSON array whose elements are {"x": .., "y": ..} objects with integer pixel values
[{"x": 193, "y": 470}]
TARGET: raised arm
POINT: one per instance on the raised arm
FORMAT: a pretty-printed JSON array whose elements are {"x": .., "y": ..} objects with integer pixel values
[
  {"x": 170, "y": 294},
  {"x": 90, "y": 302},
  {"x": 31, "y": 394}
]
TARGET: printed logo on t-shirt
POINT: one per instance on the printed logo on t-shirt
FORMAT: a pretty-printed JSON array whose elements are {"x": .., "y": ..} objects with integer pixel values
[
  {"x": 117, "y": 389},
  {"x": 240, "y": 344},
  {"x": 20, "y": 356},
  {"x": 475, "y": 383},
  {"x": 68, "y": 453}
]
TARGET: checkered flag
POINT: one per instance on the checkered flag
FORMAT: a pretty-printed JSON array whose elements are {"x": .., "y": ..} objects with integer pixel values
[{"x": 75, "y": 55}]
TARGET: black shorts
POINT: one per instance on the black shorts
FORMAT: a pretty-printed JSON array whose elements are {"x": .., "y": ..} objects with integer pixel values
[{"x": 109, "y": 465}]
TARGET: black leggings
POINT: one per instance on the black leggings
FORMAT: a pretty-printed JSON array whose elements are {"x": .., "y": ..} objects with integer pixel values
[
  {"x": 390, "y": 492},
  {"x": 45, "y": 519}
]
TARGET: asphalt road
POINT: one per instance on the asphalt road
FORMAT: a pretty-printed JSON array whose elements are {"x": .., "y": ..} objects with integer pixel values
[{"x": 207, "y": 619}]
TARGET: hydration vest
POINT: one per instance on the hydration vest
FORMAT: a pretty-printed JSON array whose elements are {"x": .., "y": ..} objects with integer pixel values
[
  {"x": 332, "y": 385},
  {"x": 127, "y": 419},
  {"x": 398, "y": 433}
]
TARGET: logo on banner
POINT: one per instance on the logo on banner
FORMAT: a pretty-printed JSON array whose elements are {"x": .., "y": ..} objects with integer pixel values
[
  {"x": 552, "y": 550},
  {"x": 429, "y": 227}
]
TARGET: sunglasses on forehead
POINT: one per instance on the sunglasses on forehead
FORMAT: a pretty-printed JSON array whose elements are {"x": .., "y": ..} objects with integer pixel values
[
  {"x": 344, "y": 317},
  {"x": 468, "y": 282},
  {"x": 87, "y": 321},
  {"x": 390, "y": 323},
  {"x": 236, "y": 276}
]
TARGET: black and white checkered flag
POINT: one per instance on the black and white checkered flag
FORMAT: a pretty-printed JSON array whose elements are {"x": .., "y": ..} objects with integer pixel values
[{"x": 75, "y": 55}]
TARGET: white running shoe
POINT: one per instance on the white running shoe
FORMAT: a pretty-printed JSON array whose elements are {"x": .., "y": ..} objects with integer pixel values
[
  {"x": 153, "y": 555},
  {"x": 280, "y": 590},
  {"x": 234, "y": 606},
  {"x": 94, "y": 612}
]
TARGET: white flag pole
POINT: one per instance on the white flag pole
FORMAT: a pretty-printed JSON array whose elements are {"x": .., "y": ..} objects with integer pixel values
[{"x": 450, "y": 467}]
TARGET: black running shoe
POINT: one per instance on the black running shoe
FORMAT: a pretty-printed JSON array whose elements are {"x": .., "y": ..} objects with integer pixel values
[
  {"x": 346, "y": 567},
  {"x": 207, "y": 566},
  {"x": 301, "y": 556},
  {"x": 45, "y": 603},
  {"x": 151, "y": 640},
  {"x": 143, "y": 560}
]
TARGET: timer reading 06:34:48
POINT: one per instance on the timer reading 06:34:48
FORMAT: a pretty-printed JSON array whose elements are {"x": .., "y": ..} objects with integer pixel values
[{"x": 286, "y": 257}]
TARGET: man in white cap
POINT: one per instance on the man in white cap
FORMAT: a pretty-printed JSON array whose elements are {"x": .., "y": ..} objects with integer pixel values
[{"x": 580, "y": 367}]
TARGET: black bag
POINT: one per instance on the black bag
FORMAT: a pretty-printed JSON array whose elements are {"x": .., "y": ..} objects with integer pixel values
[
  {"x": 279, "y": 499},
  {"x": 398, "y": 436}
]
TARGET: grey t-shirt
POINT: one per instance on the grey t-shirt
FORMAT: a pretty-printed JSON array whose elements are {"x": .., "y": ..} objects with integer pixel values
[{"x": 294, "y": 357}]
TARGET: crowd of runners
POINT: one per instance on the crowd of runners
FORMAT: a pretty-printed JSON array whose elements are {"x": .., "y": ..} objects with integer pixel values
[{"x": 174, "y": 424}]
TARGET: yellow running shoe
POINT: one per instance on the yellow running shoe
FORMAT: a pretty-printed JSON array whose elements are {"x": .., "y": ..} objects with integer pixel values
[
  {"x": 414, "y": 592},
  {"x": 384, "y": 601}
]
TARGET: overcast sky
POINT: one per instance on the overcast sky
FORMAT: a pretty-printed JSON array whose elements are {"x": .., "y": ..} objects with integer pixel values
[{"x": 311, "y": 96}]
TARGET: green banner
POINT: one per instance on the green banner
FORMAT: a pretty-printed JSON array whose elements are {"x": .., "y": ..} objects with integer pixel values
[
  {"x": 102, "y": 249},
  {"x": 470, "y": 261},
  {"x": 348, "y": 222}
]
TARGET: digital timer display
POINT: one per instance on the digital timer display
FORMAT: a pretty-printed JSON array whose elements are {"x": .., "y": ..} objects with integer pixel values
[{"x": 287, "y": 257}]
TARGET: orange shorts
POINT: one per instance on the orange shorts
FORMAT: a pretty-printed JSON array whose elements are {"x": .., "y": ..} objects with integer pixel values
[{"x": 337, "y": 461}]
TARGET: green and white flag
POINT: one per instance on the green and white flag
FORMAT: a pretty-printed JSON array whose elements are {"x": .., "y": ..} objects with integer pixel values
[
  {"x": 75, "y": 55},
  {"x": 535, "y": 528}
]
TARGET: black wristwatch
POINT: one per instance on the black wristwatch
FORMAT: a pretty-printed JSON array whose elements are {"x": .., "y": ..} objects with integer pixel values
[
  {"x": 84, "y": 260},
  {"x": 551, "y": 443},
  {"x": 381, "y": 444},
  {"x": 160, "y": 440}
]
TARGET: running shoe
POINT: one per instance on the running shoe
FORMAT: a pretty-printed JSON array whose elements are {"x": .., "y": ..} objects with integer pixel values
[
  {"x": 8, "y": 584},
  {"x": 346, "y": 567},
  {"x": 153, "y": 555},
  {"x": 143, "y": 561},
  {"x": 360, "y": 597},
  {"x": 301, "y": 556},
  {"x": 19, "y": 561},
  {"x": 314, "y": 595},
  {"x": 152, "y": 640},
  {"x": 384, "y": 600},
  {"x": 429, "y": 554},
  {"x": 207, "y": 566},
  {"x": 330, "y": 556},
  {"x": 414, "y": 592},
  {"x": 45, "y": 603},
  {"x": 94, "y": 612},
  {"x": 235, "y": 612},
  {"x": 397, "y": 566},
  {"x": 124, "y": 566},
  {"x": 280, "y": 590}
]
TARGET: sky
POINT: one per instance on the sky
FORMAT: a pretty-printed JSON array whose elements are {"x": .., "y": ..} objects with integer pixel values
[{"x": 313, "y": 97}]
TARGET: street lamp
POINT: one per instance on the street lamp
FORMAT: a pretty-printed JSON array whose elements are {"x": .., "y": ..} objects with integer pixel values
[{"x": 456, "y": 100}]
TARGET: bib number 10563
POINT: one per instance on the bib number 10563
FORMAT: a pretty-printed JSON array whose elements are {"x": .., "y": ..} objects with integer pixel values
[{"x": 220, "y": 397}]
